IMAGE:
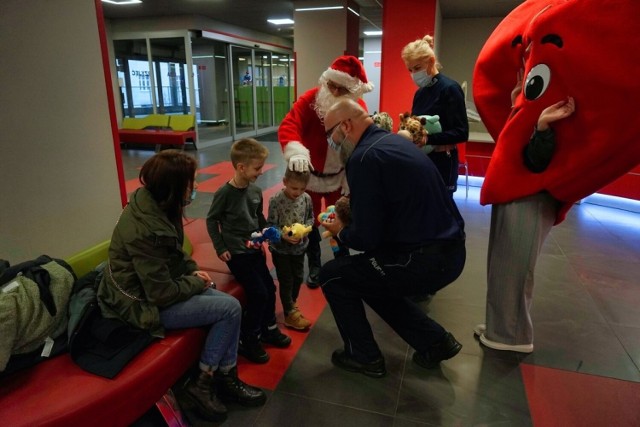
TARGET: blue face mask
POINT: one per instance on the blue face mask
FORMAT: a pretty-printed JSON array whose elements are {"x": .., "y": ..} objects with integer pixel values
[
  {"x": 421, "y": 78},
  {"x": 335, "y": 147}
]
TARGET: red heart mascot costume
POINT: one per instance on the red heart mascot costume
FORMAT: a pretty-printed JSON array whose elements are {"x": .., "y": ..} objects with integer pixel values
[{"x": 582, "y": 49}]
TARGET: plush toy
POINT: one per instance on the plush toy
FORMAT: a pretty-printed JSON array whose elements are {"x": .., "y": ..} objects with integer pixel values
[
  {"x": 340, "y": 210},
  {"x": 296, "y": 230},
  {"x": 271, "y": 234},
  {"x": 413, "y": 129},
  {"x": 416, "y": 129},
  {"x": 383, "y": 121},
  {"x": 327, "y": 215},
  {"x": 431, "y": 123}
]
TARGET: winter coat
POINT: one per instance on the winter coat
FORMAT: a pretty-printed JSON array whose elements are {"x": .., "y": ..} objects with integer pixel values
[{"x": 147, "y": 269}]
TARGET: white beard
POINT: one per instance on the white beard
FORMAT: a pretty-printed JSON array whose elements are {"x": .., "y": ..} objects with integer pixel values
[{"x": 325, "y": 100}]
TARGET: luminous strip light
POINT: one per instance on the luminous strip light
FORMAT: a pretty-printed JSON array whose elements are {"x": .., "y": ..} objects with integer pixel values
[
  {"x": 598, "y": 199},
  {"x": 372, "y": 33},
  {"x": 311, "y": 9},
  {"x": 122, "y": 2},
  {"x": 353, "y": 11},
  {"x": 284, "y": 21}
]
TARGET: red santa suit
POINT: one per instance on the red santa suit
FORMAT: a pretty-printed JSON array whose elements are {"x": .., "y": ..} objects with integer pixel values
[{"x": 302, "y": 133}]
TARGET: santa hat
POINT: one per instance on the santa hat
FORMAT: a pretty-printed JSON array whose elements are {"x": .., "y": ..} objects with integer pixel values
[{"x": 347, "y": 71}]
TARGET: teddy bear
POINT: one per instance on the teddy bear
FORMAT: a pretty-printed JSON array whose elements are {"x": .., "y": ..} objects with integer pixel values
[
  {"x": 383, "y": 121},
  {"x": 416, "y": 129}
]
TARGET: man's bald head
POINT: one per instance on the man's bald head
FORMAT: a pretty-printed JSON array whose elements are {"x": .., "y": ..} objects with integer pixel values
[{"x": 343, "y": 110}]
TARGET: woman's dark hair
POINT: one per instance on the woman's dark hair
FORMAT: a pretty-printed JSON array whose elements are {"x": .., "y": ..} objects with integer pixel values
[{"x": 168, "y": 176}]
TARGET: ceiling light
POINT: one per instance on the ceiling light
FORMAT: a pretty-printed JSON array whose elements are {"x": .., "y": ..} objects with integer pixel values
[
  {"x": 353, "y": 11},
  {"x": 372, "y": 33},
  {"x": 122, "y": 2},
  {"x": 285, "y": 21},
  {"x": 310, "y": 9}
]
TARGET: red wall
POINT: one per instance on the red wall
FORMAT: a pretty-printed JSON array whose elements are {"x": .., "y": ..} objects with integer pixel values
[{"x": 403, "y": 22}]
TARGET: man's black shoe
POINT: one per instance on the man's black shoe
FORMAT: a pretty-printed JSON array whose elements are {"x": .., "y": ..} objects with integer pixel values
[
  {"x": 252, "y": 350},
  {"x": 443, "y": 350},
  {"x": 275, "y": 338},
  {"x": 313, "y": 281},
  {"x": 375, "y": 369}
]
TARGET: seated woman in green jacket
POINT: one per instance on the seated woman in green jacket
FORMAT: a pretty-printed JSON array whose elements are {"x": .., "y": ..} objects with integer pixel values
[{"x": 151, "y": 283}]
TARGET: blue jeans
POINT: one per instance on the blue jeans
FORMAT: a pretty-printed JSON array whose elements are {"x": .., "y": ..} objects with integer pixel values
[
  {"x": 384, "y": 280},
  {"x": 219, "y": 310}
]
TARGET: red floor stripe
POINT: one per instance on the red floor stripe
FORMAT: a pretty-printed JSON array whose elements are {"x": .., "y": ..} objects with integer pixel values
[
  {"x": 563, "y": 398},
  {"x": 311, "y": 302}
]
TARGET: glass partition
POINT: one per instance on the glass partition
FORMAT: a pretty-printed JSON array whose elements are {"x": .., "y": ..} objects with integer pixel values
[
  {"x": 170, "y": 75},
  {"x": 282, "y": 87},
  {"x": 132, "y": 68},
  {"x": 243, "y": 73},
  {"x": 210, "y": 60},
  {"x": 263, "y": 85}
]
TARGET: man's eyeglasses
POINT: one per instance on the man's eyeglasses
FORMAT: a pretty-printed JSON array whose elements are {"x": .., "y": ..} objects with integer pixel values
[{"x": 330, "y": 131}]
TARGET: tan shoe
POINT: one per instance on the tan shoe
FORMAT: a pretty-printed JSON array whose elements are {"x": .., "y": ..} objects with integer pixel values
[{"x": 296, "y": 320}]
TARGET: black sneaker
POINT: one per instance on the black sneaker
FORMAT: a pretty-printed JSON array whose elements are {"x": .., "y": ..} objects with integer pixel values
[
  {"x": 443, "y": 350},
  {"x": 275, "y": 338},
  {"x": 251, "y": 349},
  {"x": 375, "y": 369}
]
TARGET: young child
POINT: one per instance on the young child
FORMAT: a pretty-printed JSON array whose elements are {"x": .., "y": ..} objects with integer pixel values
[
  {"x": 289, "y": 206},
  {"x": 236, "y": 212}
]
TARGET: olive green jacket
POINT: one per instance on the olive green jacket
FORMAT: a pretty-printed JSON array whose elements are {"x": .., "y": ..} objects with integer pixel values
[{"x": 148, "y": 269}]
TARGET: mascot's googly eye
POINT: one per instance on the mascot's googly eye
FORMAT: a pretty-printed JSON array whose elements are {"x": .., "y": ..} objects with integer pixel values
[{"x": 537, "y": 82}]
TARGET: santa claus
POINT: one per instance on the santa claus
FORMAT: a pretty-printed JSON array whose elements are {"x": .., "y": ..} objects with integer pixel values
[{"x": 304, "y": 142}]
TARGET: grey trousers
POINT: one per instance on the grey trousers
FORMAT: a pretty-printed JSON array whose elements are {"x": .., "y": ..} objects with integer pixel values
[{"x": 518, "y": 231}]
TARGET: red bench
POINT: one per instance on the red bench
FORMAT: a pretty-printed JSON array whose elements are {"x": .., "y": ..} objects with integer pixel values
[
  {"x": 159, "y": 129},
  {"x": 158, "y": 137},
  {"x": 58, "y": 392}
]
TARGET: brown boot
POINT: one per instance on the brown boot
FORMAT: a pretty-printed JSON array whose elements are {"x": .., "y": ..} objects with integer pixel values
[
  {"x": 199, "y": 392},
  {"x": 231, "y": 388}
]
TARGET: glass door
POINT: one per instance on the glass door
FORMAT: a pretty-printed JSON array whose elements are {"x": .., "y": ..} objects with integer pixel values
[
  {"x": 210, "y": 60},
  {"x": 264, "y": 88},
  {"x": 243, "y": 79}
]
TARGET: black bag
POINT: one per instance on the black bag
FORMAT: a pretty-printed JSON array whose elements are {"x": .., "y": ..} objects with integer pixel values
[{"x": 100, "y": 345}]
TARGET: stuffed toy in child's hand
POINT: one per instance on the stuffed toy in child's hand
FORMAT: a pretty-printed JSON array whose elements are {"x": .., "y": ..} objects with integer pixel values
[
  {"x": 271, "y": 234},
  {"x": 296, "y": 230}
]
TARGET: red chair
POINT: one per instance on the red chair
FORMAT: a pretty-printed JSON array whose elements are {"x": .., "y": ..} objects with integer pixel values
[{"x": 462, "y": 163}]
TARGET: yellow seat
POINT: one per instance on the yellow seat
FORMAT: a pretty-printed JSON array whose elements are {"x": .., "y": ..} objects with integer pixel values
[
  {"x": 152, "y": 121},
  {"x": 182, "y": 122}
]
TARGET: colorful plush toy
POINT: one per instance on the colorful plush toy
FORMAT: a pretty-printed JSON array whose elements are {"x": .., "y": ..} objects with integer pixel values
[
  {"x": 561, "y": 48},
  {"x": 383, "y": 121},
  {"x": 296, "y": 230},
  {"x": 341, "y": 210},
  {"x": 271, "y": 234},
  {"x": 416, "y": 129}
]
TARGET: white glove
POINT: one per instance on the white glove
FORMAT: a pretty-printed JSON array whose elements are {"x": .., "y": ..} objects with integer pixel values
[{"x": 299, "y": 163}]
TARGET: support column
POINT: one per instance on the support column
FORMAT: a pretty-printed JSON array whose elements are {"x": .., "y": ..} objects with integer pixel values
[
  {"x": 320, "y": 36},
  {"x": 403, "y": 22}
]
